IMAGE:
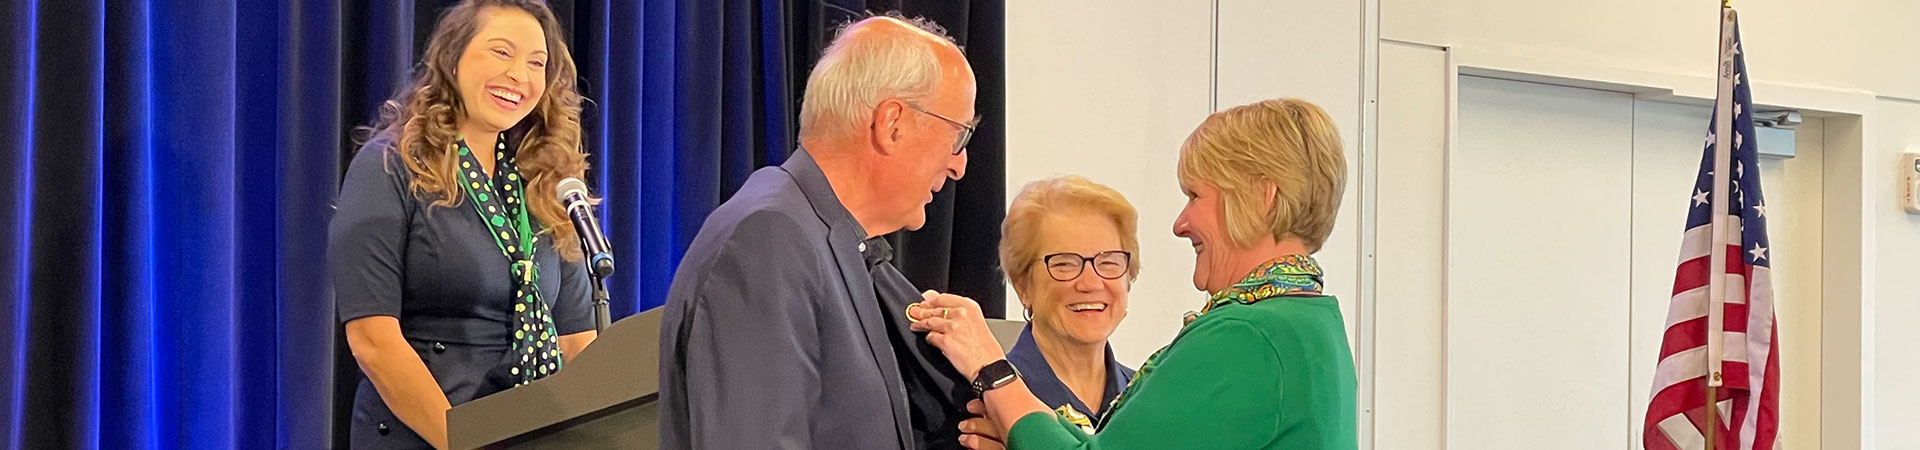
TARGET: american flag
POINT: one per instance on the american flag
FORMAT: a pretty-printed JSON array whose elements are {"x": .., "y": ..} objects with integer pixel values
[{"x": 1747, "y": 399}]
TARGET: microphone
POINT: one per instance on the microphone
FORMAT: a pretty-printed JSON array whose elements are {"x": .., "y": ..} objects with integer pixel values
[
  {"x": 593, "y": 243},
  {"x": 573, "y": 194}
]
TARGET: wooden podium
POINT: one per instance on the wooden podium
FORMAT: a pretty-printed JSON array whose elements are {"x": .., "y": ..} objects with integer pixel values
[{"x": 605, "y": 399}]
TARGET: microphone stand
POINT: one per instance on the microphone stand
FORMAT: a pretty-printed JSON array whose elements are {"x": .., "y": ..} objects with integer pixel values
[
  {"x": 593, "y": 245},
  {"x": 601, "y": 317}
]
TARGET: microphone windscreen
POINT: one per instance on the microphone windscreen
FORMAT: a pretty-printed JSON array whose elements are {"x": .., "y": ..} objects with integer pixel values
[{"x": 570, "y": 186}]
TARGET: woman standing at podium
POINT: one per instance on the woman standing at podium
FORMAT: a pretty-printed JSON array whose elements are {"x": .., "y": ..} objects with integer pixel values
[{"x": 456, "y": 272}]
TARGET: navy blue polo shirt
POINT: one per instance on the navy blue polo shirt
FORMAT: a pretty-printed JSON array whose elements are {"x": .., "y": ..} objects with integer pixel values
[{"x": 1050, "y": 390}]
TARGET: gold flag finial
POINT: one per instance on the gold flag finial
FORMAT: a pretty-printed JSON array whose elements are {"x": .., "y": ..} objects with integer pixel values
[{"x": 1726, "y": 3}]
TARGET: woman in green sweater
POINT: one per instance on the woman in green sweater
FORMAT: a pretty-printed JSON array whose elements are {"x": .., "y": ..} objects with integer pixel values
[{"x": 1264, "y": 363}]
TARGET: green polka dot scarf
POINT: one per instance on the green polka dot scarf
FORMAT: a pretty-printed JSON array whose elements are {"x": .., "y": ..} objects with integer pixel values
[{"x": 503, "y": 208}]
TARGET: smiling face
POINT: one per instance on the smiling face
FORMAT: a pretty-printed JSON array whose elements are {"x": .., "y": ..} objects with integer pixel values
[
  {"x": 1085, "y": 309},
  {"x": 1214, "y": 252},
  {"x": 503, "y": 71},
  {"x": 1262, "y": 180},
  {"x": 927, "y": 160}
]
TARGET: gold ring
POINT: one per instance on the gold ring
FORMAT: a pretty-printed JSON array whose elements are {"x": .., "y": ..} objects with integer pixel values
[
  {"x": 910, "y": 307},
  {"x": 944, "y": 311}
]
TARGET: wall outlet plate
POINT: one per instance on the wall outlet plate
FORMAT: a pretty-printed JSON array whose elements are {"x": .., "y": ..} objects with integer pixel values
[{"x": 1910, "y": 182}]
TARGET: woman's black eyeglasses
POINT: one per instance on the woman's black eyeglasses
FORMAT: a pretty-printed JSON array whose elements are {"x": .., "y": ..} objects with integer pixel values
[{"x": 1067, "y": 266}]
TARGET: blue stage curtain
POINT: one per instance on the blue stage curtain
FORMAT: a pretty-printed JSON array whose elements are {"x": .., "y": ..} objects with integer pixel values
[
  {"x": 694, "y": 95},
  {"x": 168, "y": 168}
]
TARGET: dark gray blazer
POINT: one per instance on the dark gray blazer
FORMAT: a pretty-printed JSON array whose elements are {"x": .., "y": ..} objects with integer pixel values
[{"x": 773, "y": 337}]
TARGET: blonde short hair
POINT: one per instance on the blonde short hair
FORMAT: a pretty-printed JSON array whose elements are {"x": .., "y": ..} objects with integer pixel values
[
  {"x": 1289, "y": 143},
  {"x": 854, "y": 75},
  {"x": 1020, "y": 231}
]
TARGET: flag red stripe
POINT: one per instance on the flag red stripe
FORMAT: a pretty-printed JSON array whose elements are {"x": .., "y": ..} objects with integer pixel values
[
  {"x": 1654, "y": 439},
  {"x": 1733, "y": 375},
  {"x": 1675, "y": 399},
  {"x": 1735, "y": 315},
  {"x": 1692, "y": 273},
  {"x": 1692, "y": 333},
  {"x": 1767, "y": 428},
  {"x": 1683, "y": 336}
]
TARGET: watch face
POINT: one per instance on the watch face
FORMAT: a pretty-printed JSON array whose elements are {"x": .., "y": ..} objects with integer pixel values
[{"x": 994, "y": 375}]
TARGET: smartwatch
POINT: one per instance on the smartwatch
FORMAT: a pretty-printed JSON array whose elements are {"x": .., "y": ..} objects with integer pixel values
[{"x": 994, "y": 375}]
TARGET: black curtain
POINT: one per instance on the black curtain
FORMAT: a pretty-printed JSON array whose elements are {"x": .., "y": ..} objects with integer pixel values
[{"x": 958, "y": 249}]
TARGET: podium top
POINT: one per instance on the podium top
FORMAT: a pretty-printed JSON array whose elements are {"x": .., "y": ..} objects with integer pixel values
[{"x": 619, "y": 370}]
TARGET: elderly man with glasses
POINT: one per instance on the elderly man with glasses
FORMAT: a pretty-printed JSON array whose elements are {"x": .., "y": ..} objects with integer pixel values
[{"x": 782, "y": 326}]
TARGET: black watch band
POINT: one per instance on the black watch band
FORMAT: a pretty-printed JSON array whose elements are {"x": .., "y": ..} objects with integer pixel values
[{"x": 994, "y": 375}]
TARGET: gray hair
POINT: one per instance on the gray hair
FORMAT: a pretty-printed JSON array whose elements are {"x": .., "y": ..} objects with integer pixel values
[{"x": 855, "y": 75}]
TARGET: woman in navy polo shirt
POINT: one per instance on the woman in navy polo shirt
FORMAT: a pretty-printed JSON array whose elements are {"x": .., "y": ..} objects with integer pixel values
[{"x": 1068, "y": 247}]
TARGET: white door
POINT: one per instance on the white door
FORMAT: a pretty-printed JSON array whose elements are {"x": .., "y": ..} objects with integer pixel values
[
  {"x": 1539, "y": 241},
  {"x": 1565, "y": 208}
]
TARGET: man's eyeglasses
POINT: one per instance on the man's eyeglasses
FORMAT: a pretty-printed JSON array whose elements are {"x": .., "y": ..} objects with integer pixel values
[
  {"x": 966, "y": 131},
  {"x": 1068, "y": 266}
]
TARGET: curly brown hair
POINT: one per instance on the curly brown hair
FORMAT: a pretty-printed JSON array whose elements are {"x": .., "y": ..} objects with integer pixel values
[{"x": 421, "y": 120}]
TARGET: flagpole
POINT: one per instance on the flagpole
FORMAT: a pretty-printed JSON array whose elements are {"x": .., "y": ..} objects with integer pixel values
[{"x": 1717, "y": 262}]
